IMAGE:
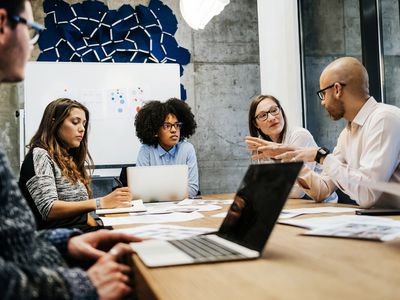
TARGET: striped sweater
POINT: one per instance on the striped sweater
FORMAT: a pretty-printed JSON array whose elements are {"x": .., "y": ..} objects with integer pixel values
[{"x": 42, "y": 182}]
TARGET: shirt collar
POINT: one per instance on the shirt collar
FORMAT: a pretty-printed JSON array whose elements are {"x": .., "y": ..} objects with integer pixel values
[
  {"x": 161, "y": 151},
  {"x": 364, "y": 112}
]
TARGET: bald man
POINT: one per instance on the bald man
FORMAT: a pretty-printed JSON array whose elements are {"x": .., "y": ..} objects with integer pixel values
[{"x": 368, "y": 148}]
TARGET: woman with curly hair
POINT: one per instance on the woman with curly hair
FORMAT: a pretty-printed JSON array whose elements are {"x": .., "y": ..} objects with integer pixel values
[
  {"x": 162, "y": 127},
  {"x": 54, "y": 177}
]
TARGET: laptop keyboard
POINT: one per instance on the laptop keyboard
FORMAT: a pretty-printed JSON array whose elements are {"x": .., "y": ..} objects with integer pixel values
[{"x": 201, "y": 248}]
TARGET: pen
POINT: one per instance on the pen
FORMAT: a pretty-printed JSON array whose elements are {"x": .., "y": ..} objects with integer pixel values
[{"x": 118, "y": 182}]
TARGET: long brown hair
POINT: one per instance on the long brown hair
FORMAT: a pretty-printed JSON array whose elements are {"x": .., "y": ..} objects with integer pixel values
[
  {"x": 72, "y": 162},
  {"x": 254, "y": 131}
]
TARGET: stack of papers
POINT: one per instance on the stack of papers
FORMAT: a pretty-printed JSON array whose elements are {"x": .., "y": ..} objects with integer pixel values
[
  {"x": 350, "y": 226},
  {"x": 185, "y": 210}
]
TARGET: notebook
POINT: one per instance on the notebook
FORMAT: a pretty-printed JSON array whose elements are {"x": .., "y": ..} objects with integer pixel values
[
  {"x": 245, "y": 229},
  {"x": 158, "y": 183}
]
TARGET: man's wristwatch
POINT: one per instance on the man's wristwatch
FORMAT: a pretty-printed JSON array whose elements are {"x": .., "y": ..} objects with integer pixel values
[{"x": 321, "y": 152}]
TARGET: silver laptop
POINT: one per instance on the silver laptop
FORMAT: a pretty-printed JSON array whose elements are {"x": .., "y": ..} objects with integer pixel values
[
  {"x": 244, "y": 231},
  {"x": 158, "y": 183}
]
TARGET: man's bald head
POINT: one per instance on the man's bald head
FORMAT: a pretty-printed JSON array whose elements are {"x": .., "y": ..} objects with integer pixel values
[{"x": 349, "y": 71}]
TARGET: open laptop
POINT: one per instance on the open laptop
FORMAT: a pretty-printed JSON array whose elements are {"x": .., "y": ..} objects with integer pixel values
[
  {"x": 244, "y": 231},
  {"x": 158, "y": 183}
]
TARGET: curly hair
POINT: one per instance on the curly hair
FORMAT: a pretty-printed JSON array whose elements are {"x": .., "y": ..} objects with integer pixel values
[
  {"x": 152, "y": 115},
  {"x": 72, "y": 162}
]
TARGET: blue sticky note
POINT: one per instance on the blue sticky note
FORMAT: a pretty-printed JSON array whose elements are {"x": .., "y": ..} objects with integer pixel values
[
  {"x": 125, "y": 11},
  {"x": 165, "y": 16},
  {"x": 183, "y": 93},
  {"x": 63, "y": 14},
  {"x": 122, "y": 56},
  {"x": 89, "y": 56},
  {"x": 49, "y": 38},
  {"x": 49, "y": 55},
  {"x": 69, "y": 32},
  {"x": 50, "y": 5},
  {"x": 141, "y": 38},
  {"x": 110, "y": 18},
  {"x": 94, "y": 9},
  {"x": 145, "y": 16}
]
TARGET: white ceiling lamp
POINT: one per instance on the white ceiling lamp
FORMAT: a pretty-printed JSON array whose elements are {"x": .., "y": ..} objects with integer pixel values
[{"x": 197, "y": 13}]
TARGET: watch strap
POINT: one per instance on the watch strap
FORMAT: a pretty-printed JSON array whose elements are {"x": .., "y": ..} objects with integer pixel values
[{"x": 321, "y": 152}]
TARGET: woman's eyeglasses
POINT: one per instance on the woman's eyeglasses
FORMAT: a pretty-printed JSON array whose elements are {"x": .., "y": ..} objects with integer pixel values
[
  {"x": 263, "y": 116},
  {"x": 34, "y": 28},
  {"x": 168, "y": 126}
]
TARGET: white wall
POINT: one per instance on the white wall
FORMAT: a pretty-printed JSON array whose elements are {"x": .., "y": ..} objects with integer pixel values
[{"x": 280, "y": 55}]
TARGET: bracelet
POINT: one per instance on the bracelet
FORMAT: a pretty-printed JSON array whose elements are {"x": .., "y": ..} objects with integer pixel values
[{"x": 98, "y": 203}]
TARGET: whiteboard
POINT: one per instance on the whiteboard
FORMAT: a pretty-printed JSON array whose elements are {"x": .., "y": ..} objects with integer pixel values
[{"x": 113, "y": 92}]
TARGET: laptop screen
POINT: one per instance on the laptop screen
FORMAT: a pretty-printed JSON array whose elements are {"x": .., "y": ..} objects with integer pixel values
[{"x": 258, "y": 203}]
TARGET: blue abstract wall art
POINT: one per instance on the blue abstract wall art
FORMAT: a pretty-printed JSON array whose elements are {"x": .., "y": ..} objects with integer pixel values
[{"x": 91, "y": 32}]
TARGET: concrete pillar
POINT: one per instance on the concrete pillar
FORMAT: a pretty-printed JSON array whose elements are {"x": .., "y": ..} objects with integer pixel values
[{"x": 280, "y": 55}]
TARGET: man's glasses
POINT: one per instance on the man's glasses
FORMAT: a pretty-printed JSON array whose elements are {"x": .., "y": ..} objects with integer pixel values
[
  {"x": 263, "y": 116},
  {"x": 168, "y": 126},
  {"x": 321, "y": 93},
  {"x": 34, "y": 28}
]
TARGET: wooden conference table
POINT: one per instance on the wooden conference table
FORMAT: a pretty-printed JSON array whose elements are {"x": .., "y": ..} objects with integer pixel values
[{"x": 292, "y": 267}]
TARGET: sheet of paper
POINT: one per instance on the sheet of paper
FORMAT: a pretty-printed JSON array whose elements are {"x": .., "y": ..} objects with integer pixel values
[
  {"x": 291, "y": 213},
  {"x": 151, "y": 218},
  {"x": 314, "y": 223},
  {"x": 220, "y": 215},
  {"x": 166, "y": 232},
  {"x": 137, "y": 207},
  {"x": 205, "y": 202},
  {"x": 187, "y": 206},
  {"x": 360, "y": 230}
]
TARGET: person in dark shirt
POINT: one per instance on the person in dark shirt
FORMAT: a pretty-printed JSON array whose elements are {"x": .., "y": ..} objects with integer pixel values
[{"x": 41, "y": 265}]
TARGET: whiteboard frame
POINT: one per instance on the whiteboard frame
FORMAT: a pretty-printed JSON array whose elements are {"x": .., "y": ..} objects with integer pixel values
[{"x": 109, "y": 144}]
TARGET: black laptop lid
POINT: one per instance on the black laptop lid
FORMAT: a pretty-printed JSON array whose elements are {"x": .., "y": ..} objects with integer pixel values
[{"x": 258, "y": 203}]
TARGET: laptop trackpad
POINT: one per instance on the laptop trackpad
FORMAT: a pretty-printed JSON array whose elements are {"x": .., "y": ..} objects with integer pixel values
[{"x": 149, "y": 252}]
